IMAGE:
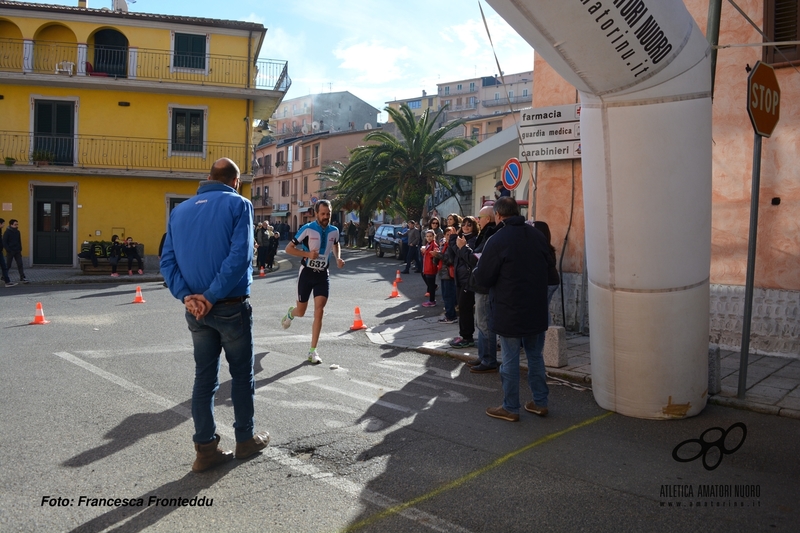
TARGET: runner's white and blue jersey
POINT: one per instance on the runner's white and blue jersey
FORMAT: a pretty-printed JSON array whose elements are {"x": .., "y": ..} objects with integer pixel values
[{"x": 313, "y": 236}]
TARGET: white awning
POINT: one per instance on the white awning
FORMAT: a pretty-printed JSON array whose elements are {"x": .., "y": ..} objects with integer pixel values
[{"x": 486, "y": 156}]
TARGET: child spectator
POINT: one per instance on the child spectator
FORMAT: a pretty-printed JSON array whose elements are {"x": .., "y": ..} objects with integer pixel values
[{"x": 429, "y": 267}]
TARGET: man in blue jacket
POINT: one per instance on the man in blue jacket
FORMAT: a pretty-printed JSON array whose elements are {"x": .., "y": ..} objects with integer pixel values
[
  {"x": 514, "y": 268},
  {"x": 207, "y": 264}
]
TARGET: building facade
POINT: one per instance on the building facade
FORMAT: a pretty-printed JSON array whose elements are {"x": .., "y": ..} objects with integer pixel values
[
  {"x": 111, "y": 118},
  {"x": 286, "y": 183},
  {"x": 334, "y": 112}
]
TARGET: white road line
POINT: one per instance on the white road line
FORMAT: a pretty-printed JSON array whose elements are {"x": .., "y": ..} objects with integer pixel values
[
  {"x": 282, "y": 457},
  {"x": 364, "y": 398},
  {"x": 426, "y": 373}
]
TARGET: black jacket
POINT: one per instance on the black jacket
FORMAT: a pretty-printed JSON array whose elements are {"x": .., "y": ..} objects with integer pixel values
[
  {"x": 514, "y": 266},
  {"x": 486, "y": 232},
  {"x": 461, "y": 265},
  {"x": 12, "y": 241}
]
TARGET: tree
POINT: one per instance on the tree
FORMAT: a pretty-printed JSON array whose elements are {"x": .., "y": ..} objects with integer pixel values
[{"x": 397, "y": 173}]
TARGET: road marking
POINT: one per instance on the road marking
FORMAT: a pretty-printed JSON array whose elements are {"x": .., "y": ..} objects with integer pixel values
[
  {"x": 472, "y": 475},
  {"x": 283, "y": 458},
  {"x": 373, "y": 401},
  {"x": 427, "y": 374}
]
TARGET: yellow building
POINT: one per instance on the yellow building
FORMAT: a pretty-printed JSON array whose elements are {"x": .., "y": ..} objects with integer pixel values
[{"x": 111, "y": 118}]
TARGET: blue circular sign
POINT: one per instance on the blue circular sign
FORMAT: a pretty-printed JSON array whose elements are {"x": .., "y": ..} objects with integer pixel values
[{"x": 512, "y": 174}]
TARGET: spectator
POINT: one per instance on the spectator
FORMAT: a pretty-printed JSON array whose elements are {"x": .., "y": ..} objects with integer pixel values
[
  {"x": 370, "y": 234},
  {"x": 6, "y": 279},
  {"x": 262, "y": 246},
  {"x": 131, "y": 252},
  {"x": 500, "y": 190},
  {"x": 463, "y": 269},
  {"x": 514, "y": 266},
  {"x": 272, "y": 249},
  {"x": 429, "y": 268},
  {"x": 447, "y": 277},
  {"x": 435, "y": 225},
  {"x": 114, "y": 252},
  {"x": 12, "y": 243},
  {"x": 414, "y": 239},
  {"x": 553, "y": 278},
  {"x": 487, "y": 339},
  {"x": 352, "y": 235}
]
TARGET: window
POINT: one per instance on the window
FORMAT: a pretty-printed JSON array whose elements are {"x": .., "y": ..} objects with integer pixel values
[
  {"x": 53, "y": 131},
  {"x": 430, "y": 102},
  {"x": 458, "y": 103},
  {"x": 415, "y": 104},
  {"x": 315, "y": 155},
  {"x": 472, "y": 86},
  {"x": 447, "y": 90},
  {"x": 781, "y": 22},
  {"x": 188, "y": 130},
  {"x": 297, "y": 153},
  {"x": 524, "y": 92},
  {"x": 190, "y": 51},
  {"x": 511, "y": 94},
  {"x": 473, "y": 101},
  {"x": 306, "y": 156},
  {"x": 458, "y": 87},
  {"x": 305, "y": 184},
  {"x": 497, "y": 96},
  {"x": 285, "y": 188}
]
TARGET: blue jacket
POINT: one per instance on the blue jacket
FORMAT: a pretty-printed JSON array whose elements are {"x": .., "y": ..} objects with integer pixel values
[
  {"x": 514, "y": 266},
  {"x": 209, "y": 244}
]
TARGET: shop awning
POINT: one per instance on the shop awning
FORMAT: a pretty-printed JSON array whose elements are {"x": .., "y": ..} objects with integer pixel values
[{"x": 278, "y": 214}]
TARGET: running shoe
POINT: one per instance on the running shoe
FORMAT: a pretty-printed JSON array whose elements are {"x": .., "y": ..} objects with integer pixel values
[
  {"x": 286, "y": 321},
  {"x": 445, "y": 320},
  {"x": 428, "y": 304},
  {"x": 313, "y": 357}
]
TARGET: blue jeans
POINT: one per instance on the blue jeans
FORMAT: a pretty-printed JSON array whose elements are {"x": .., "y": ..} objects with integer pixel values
[
  {"x": 448, "y": 297},
  {"x": 487, "y": 339},
  {"x": 228, "y": 326},
  {"x": 509, "y": 370}
]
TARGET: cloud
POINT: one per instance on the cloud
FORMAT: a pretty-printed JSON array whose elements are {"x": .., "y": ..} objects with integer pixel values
[{"x": 372, "y": 61}]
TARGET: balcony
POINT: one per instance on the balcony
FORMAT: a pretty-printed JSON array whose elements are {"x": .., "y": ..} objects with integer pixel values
[
  {"x": 68, "y": 153},
  {"x": 133, "y": 63},
  {"x": 504, "y": 101}
]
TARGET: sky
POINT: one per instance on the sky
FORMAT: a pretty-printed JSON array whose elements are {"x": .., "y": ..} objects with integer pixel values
[{"x": 379, "y": 50}]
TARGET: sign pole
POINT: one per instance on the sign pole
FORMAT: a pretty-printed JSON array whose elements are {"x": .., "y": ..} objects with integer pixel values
[{"x": 751, "y": 267}]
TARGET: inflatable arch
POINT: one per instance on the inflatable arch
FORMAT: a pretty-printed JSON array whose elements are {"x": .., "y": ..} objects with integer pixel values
[{"x": 642, "y": 68}]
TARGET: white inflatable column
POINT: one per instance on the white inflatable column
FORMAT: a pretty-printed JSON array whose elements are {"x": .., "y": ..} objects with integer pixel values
[{"x": 643, "y": 70}]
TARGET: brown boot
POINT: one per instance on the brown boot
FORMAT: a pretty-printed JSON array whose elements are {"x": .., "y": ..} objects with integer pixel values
[
  {"x": 249, "y": 447},
  {"x": 210, "y": 455}
]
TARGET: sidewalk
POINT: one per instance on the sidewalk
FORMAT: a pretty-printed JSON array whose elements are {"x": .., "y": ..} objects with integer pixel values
[
  {"x": 773, "y": 383},
  {"x": 59, "y": 275}
]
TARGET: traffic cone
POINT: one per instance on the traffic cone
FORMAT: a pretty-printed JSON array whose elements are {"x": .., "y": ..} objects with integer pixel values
[
  {"x": 138, "y": 299},
  {"x": 262, "y": 274},
  {"x": 39, "y": 317},
  {"x": 357, "y": 323},
  {"x": 394, "y": 294},
  {"x": 397, "y": 278}
]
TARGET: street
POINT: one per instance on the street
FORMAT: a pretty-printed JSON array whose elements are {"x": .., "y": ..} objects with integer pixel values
[{"x": 97, "y": 430}]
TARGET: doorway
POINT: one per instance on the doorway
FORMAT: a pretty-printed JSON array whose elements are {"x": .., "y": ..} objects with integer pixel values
[
  {"x": 53, "y": 226},
  {"x": 53, "y": 132}
]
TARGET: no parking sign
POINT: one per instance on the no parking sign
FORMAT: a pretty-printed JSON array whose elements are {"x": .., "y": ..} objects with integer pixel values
[{"x": 512, "y": 174}]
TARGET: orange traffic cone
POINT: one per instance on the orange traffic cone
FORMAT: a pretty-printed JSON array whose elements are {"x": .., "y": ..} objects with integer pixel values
[
  {"x": 262, "y": 274},
  {"x": 39, "y": 317},
  {"x": 394, "y": 294},
  {"x": 357, "y": 323},
  {"x": 397, "y": 278},
  {"x": 138, "y": 299}
]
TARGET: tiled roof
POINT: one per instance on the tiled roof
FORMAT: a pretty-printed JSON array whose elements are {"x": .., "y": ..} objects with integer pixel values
[{"x": 197, "y": 21}]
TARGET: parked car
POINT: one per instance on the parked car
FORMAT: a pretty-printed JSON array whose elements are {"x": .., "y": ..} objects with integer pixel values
[{"x": 387, "y": 239}]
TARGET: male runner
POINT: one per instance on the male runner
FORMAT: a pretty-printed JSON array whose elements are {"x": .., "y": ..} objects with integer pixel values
[{"x": 314, "y": 242}]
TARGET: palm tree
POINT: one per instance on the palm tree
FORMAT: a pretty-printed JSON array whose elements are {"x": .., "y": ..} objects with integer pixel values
[{"x": 397, "y": 173}]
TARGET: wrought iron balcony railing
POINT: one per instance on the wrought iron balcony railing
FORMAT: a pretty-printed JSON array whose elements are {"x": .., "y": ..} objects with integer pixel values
[
  {"x": 71, "y": 59},
  {"x": 117, "y": 153}
]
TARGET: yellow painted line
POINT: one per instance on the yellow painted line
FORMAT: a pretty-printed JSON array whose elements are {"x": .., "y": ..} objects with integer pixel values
[{"x": 472, "y": 475}]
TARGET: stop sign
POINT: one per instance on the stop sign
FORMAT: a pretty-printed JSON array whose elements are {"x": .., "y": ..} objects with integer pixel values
[{"x": 763, "y": 99}]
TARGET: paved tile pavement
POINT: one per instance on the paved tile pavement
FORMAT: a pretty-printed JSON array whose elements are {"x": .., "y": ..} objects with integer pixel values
[{"x": 773, "y": 383}]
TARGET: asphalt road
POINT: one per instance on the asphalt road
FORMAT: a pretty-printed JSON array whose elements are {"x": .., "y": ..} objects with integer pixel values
[{"x": 96, "y": 405}]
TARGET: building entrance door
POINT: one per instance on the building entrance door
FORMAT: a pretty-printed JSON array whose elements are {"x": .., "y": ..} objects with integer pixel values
[{"x": 53, "y": 226}]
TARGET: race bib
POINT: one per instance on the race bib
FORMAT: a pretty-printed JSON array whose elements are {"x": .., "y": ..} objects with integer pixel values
[{"x": 318, "y": 264}]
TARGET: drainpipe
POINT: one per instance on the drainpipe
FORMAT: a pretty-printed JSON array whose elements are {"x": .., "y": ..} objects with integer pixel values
[
  {"x": 712, "y": 33},
  {"x": 642, "y": 69}
]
